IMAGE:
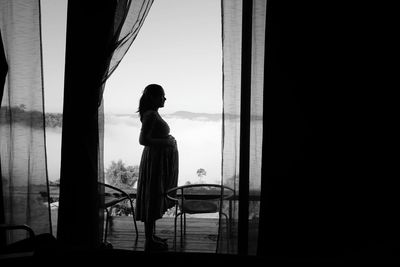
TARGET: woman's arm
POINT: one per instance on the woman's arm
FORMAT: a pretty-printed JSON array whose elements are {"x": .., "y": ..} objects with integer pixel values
[{"x": 146, "y": 139}]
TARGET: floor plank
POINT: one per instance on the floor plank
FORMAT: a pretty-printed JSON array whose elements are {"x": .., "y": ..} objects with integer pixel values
[{"x": 201, "y": 234}]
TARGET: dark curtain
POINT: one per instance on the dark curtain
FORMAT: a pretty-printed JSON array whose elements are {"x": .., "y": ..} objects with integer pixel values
[
  {"x": 24, "y": 182},
  {"x": 97, "y": 38}
]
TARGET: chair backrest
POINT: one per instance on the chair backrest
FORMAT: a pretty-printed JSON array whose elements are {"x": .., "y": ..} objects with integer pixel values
[
  {"x": 111, "y": 194},
  {"x": 20, "y": 248},
  {"x": 107, "y": 186},
  {"x": 208, "y": 192}
]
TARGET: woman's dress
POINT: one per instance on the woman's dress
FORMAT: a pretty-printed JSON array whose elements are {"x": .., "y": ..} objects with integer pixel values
[{"x": 158, "y": 171}]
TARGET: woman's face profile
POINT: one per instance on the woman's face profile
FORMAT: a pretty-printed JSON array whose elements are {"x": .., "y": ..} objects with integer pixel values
[{"x": 159, "y": 100}]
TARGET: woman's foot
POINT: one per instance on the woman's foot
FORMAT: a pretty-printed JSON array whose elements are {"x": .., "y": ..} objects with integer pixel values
[
  {"x": 160, "y": 239},
  {"x": 154, "y": 246}
]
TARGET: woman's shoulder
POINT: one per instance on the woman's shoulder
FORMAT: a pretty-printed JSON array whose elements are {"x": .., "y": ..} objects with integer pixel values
[{"x": 150, "y": 115}]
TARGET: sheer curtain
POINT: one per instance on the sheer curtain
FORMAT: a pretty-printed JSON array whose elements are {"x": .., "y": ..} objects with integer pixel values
[
  {"x": 24, "y": 183},
  {"x": 243, "y": 33},
  {"x": 128, "y": 19},
  {"x": 231, "y": 53},
  {"x": 3, "y": 74},
  {"x": 98, "y": 36}
]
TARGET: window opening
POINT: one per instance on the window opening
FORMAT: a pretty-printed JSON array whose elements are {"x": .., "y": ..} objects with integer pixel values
[{"x": 54, "y": 20}]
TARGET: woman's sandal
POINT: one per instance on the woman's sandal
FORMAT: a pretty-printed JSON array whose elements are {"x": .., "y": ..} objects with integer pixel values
[
  {"x": 153, "y": 246},
  {"x": 160, "y": 239}
]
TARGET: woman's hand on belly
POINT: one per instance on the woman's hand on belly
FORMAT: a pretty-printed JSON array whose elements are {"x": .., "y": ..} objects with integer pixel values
[{"x": 171, "y": 141}]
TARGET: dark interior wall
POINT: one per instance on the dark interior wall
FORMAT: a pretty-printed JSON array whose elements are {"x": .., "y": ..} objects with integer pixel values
[{"x": 325, "y": 191}]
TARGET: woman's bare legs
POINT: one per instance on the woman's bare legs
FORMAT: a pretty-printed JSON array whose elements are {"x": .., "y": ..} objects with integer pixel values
[
  {"x": 149, "y": 229},
  {"x": 152, "y": 242},
  {"x": 157, "y": 238}
]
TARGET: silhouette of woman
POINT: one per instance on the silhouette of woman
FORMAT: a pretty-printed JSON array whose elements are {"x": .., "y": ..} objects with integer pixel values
[{"x": 158, "y": 170}]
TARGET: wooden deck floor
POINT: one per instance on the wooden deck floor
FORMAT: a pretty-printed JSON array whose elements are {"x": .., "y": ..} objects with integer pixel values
[{"x": 201, "y": 234}]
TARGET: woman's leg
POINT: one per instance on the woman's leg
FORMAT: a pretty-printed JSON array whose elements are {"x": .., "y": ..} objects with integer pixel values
[
  {"x": 149, "y": 230},
  {"x": 157, "y": 238},
  {"x": 152, "y": 243}
]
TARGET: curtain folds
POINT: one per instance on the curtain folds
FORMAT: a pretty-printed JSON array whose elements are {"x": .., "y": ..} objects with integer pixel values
[
  {"x": 24, "y": 181},
  {"x": 98, "y": 36},
  {"x": 233, "y": 103},
  {"x": 129, "y": 18},
  {"x": 256, "y": 118},
  {"x": 231, "y": 60}
]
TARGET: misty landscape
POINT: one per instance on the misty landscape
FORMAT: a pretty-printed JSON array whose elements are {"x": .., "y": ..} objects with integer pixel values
[{"x": 198, "y": 136}]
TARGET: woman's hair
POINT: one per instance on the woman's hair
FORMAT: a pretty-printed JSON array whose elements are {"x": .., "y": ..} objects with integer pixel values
[{"x": 145, "y": 102}]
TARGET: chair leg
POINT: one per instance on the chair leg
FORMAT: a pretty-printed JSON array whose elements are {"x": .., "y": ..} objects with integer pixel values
[
  {"x": 106, "y": 230},
  {"x": 175, "y": 226},
  {"x": 219, "y": 231},
  {"x": 227, "y": 230},
  {"x": 184, "y": 224},
  {"x": 134, "y": 220},
  {"x": 228, "y": 226},
  {"x": 181, "y": 230},
  {"x": 176, "y": 216}
]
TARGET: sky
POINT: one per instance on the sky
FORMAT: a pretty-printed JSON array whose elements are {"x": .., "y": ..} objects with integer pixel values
[{"x": 179, "y": 47}]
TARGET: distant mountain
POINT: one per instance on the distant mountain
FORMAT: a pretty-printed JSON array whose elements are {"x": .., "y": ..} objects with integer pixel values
[
  {"x": 54, "y": 120},
  {"x": 30, "y": 118},
  {"x": 180, "y": 115},
  {"x": 209, "y": 116},
  {"x": 195, "y": 116}
]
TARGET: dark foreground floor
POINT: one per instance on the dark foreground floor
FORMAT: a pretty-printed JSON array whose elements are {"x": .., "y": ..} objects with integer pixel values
[
  {"x": 116, "y": 257},
  {"x": 120, "y": 257}
]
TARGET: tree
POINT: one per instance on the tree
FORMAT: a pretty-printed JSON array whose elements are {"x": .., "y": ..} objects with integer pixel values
[
  {"x": 121, "y": 176},
  {"x": 22, "y": 107},
  {"x": 200, "y": 173}
]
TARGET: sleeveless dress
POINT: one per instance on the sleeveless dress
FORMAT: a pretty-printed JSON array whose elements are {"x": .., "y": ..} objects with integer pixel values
[{"x": 158, "y": 171}]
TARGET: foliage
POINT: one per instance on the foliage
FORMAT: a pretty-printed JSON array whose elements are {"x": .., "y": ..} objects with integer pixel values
[
  {"x": 54, "y": 183},
  {"x": 121, "y": 176},
  {"x": 31, "y": 118},
  {"x": 201, "y": 172},
  {"x": 53, "y": 120}
]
